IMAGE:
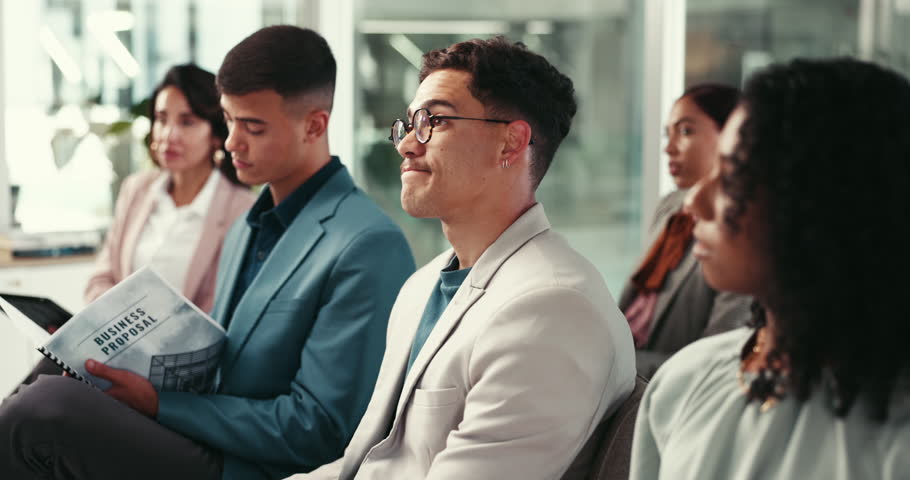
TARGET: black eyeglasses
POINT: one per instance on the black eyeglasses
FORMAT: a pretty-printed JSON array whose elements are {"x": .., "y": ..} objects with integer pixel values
[{"x": 422, "y": 122}]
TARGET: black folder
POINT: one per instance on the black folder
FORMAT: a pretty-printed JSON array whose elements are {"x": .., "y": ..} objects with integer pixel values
[{"x": 42, "y": 311}]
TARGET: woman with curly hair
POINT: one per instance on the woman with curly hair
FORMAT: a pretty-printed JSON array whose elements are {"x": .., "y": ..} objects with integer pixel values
[
  {"x": 667, "y": 302},
  {"x": 807, "y": 210}
]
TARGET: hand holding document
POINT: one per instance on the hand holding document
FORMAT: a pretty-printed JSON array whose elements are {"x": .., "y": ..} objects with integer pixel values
[{"x": 142, "y": 325}]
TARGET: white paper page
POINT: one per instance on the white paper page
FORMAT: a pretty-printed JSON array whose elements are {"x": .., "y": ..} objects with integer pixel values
[
  {"x": 18, "y": 355},
  {"x": 31, "y": 331}
]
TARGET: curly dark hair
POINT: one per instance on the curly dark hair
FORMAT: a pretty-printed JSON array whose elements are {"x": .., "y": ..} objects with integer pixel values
[
  {"x": 512, "y": 81},
  {"x": 198, "y": 86},
  {"x": 825, "y": 148}
]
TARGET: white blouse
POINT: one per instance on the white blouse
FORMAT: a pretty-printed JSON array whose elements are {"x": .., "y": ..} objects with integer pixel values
[
  {"x": 171, "y": 233},
  {"x": 694, "y": 424}
]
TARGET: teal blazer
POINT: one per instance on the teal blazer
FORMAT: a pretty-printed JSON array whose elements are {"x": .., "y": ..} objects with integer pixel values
[{"x": 305, "y": 341}]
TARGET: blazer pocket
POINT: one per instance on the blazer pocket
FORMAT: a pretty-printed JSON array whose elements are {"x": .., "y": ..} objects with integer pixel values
[
  {"x": 438, "y": 397},
  {"x": 283, "y": 306}
]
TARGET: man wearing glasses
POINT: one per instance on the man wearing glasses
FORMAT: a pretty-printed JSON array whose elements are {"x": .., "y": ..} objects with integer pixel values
[{"x": 505, "y": 352}]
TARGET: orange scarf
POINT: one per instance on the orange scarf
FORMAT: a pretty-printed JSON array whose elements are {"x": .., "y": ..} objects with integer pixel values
[{"x": 665, "y": 254}]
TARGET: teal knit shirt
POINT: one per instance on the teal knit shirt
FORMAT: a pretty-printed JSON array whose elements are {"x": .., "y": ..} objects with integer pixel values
[{"x": 449, "y": 280}]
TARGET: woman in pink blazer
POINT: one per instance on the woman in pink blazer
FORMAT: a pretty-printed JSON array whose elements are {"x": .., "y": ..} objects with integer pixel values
[{"x": 175, "y": 218}]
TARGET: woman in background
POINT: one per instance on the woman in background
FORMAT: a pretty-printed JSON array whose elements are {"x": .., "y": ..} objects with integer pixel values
[
  {"x": 174, "y": 219},
  {"x": 806, "y": 211},
  {"x": 667, "y": 302}
]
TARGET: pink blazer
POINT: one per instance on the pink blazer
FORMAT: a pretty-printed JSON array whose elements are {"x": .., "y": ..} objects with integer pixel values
[{"x": 134, "y": 205}]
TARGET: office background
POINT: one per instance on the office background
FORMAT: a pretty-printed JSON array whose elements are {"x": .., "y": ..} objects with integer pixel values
[{"x": 73, "y": 71}]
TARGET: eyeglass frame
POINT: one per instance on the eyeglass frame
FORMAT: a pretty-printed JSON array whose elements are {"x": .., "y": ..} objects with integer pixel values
[{"x": 409, "y": 127}]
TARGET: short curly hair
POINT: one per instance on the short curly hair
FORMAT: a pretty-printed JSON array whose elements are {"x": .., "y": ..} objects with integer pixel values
[
  {"x": 511, "y": 80},
  {"x": 825, "y": 146}
]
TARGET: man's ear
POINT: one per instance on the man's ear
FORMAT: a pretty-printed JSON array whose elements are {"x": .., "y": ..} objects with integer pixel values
[
  {"x": 317, "y": 122},
  {"x": 518, "y": 136}
]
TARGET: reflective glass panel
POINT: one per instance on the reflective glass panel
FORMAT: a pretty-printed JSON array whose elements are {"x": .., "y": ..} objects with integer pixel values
[
  {"x": 75, "y": 72},
  {"x": 592, "y": 191},
  {"x": 726, "y": 40}
]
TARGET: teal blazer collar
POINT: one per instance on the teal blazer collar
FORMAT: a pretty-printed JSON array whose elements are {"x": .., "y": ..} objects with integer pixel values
[{"x": 290, "y": 252}]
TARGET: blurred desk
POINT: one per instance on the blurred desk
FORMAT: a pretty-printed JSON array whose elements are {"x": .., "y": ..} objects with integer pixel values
[
  {"x": 43, "y": 261},
  {"x": 62, "y": 279}
]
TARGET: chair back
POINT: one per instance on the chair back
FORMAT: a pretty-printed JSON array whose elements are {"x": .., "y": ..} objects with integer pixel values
[{"x": 608, "y": 452}]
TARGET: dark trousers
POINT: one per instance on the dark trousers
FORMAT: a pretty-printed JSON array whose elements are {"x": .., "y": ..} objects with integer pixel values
[{"x": 56, "y": 427}]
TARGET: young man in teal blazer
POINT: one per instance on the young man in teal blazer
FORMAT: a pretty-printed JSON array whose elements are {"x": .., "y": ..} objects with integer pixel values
[{"x": 305, "y": 286}]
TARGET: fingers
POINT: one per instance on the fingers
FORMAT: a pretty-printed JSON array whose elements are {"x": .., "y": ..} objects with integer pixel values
[
  {"x": 101, "y": 370},
  {"x": 116, "y": 376},
  {"x": 127, "y": 387}
]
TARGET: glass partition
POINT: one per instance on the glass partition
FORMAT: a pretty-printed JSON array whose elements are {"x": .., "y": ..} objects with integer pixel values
[
  {"x": 728, "y": 39},
  {"x": 73, "y": 69},
  {"x": 592, "y": 192}
]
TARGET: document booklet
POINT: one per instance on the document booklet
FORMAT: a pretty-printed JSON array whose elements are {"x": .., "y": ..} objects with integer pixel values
[{"x": 143, "y": 325}]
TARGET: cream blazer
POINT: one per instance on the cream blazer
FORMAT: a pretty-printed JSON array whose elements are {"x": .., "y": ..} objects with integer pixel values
[
  {"x": 134, "y": 205},
  {"x": 531, "y": 353}
]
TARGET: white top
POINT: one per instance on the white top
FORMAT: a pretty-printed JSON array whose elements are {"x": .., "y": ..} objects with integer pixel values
[
  {"x": 694, "y": 423},
  {"x": 169, "y": 237}
]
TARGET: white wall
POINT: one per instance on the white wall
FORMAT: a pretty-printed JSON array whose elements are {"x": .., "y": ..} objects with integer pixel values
[
  {"x": 336, "y": 24},
  {"x": 5, "y": 200},
  {"x": 665, "y": 54}
]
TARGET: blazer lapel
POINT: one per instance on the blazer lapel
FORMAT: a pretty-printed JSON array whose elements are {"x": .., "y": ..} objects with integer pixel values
[
  {"x": 137, "y": 220},
  {"x": 461, "y": 302},
  {"x": 290, "y": 251},
  {"x": 675, "y": 280},
  {"x": 228, "y": 270},
  {"x": 403, "y": 326},
  {"x": 213, "y": 228},
  {"x": 529, "y": 225},
  {"x": 671, "y": 204}
]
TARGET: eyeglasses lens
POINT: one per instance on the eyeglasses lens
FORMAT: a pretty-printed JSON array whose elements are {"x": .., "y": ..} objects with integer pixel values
[
  {"x": 422, "y": 125},
  {"x": 398, "y": 132}
]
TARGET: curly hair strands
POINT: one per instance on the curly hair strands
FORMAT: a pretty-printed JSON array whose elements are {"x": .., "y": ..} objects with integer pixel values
[
  {"x": 515, "y": 83},
  {"x": 826, "y": 148}
]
